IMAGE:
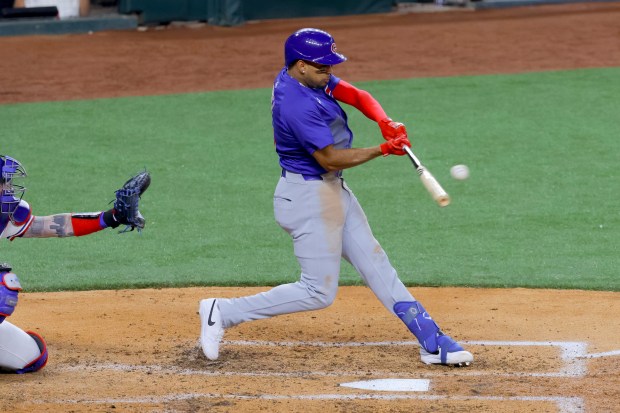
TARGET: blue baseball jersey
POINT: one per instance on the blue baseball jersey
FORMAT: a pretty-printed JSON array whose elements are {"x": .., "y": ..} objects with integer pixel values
[{"x": 305, "y": 120}]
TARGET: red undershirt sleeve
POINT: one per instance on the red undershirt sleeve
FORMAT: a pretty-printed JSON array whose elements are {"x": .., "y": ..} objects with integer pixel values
[
  {"x": 359, "y": 99},
  {"x": 84, "y": 224}
]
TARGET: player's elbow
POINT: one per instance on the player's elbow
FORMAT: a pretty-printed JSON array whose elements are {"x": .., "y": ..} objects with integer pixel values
[
  {"x": 331, "y": 167},
  {"x": 328, "y": 158}
]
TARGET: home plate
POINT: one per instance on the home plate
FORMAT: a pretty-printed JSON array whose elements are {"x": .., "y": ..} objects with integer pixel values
[{"x": 390, "y": 384}]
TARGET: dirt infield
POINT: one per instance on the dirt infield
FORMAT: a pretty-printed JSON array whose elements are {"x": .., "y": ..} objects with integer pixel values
[
  {"x": 384, "y": 46},
  {"x": 137, "y": 350}
]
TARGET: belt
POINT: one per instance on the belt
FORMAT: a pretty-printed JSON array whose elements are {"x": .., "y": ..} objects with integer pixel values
[
  {"x": 305, "y": 176},
  {"x": 308, "y": 177}
]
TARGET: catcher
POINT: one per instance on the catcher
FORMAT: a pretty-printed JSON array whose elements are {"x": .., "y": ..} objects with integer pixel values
[{"x": 20, "y": 351}]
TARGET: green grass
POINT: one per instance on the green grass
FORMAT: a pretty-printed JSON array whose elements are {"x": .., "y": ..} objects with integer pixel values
[{"x": 540, "y": 208}]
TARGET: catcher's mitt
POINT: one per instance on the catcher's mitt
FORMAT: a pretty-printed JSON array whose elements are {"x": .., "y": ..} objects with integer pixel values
[{"x": 127, "y": 199}]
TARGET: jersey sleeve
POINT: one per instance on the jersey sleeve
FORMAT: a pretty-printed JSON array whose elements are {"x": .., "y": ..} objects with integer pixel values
[{"x": 331, "y": 85}]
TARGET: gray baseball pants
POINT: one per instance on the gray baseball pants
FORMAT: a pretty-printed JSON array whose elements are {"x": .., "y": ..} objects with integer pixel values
[{"x": 326, "y": 223}]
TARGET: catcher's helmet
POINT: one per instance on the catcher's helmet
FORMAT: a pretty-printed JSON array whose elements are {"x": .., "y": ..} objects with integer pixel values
[
  {"x": 313, "y": 45},
  {"x": 11, "y": 193}
]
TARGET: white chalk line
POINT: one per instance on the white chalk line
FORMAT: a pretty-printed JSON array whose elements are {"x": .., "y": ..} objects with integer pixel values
[
  {"x": 564, "y": 404},
  {"x": 572, "y": 353},
  {"x": 599, "y": 355},
  {"x": 154, "y": 368}
]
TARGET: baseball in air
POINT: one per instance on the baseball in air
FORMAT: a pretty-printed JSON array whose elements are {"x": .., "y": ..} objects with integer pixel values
[{"x": 459, "y": 172}]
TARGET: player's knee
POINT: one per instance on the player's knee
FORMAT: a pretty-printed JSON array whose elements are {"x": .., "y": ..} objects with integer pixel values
[
  {"x": 39, "y": 362},
  {"x": 320, "y": 299},
  {"x": 20, "y": 351},
  {"x": 326, "y": 299},
  {"x": 9, "y": 291}
]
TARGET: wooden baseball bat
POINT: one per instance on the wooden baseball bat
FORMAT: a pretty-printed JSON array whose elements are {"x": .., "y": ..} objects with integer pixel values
[{"x": 430, "y": 183}]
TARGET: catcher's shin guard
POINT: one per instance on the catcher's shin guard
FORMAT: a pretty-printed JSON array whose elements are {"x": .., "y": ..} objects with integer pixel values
[
  {"x": 419, "y": 323},
  {"x": 20, "y": 351}
]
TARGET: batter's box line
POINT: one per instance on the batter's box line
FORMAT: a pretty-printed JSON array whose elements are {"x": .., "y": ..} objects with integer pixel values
[
  {"x": 573, "y": 353},
  {"x": 155, "y": 368},
  {"x": 564, "y": 404}
]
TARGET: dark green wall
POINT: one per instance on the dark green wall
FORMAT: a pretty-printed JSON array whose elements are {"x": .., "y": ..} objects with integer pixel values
[
  {"x": 233, "y": 12},
  {"x": 258, "y": 10},
  {"x": 165, "y": 11}
]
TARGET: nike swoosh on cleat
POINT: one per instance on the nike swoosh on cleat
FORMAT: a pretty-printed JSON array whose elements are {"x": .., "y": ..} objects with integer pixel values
[{"x": 209, "y": 322}]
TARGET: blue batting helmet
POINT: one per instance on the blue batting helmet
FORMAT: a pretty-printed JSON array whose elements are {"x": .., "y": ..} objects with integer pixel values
[
  {"x": 11, "y": 194},
  {"x": 313, "y": 45}
]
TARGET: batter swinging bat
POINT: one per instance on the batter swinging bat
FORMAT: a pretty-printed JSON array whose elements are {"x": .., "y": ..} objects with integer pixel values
[{"x": 430, "y": 183}]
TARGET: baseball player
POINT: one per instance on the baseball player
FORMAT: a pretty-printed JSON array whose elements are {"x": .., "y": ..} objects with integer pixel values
[
  {"x": 313, "y": 203},
  {"x": 20, "y": 351}
]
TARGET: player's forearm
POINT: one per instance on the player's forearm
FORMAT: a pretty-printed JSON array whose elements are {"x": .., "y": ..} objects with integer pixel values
[
  {"x": 58, "y": 226},
  {"x": 70, "y": 224},
  {"x": 333, "y": 159}
]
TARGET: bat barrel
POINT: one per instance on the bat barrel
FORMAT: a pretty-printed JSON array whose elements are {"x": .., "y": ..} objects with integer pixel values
[
  {"x": 434, "y": 188},
  {"x": 430, "y": 183}
]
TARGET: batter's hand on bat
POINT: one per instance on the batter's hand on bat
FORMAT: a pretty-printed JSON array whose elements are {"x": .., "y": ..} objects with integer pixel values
[
  {"x": 395, "y": 146},
  {"x": 391, "y": 129}
]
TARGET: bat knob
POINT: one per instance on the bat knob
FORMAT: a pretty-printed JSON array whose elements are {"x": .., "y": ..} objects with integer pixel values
[{"x": 443, "y": 201}]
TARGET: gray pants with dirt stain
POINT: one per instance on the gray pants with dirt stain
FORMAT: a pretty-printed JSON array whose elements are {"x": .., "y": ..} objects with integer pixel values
[{"x": 326, "y": 223}]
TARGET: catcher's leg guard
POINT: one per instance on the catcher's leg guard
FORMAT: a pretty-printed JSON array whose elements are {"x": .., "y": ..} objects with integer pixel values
[
  {"x": 21, "y": 352},
  {"x": 419, "y": 323}
]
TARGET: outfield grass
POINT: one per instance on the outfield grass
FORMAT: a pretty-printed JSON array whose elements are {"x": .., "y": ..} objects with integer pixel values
[{"x": 540, "y": 208}]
